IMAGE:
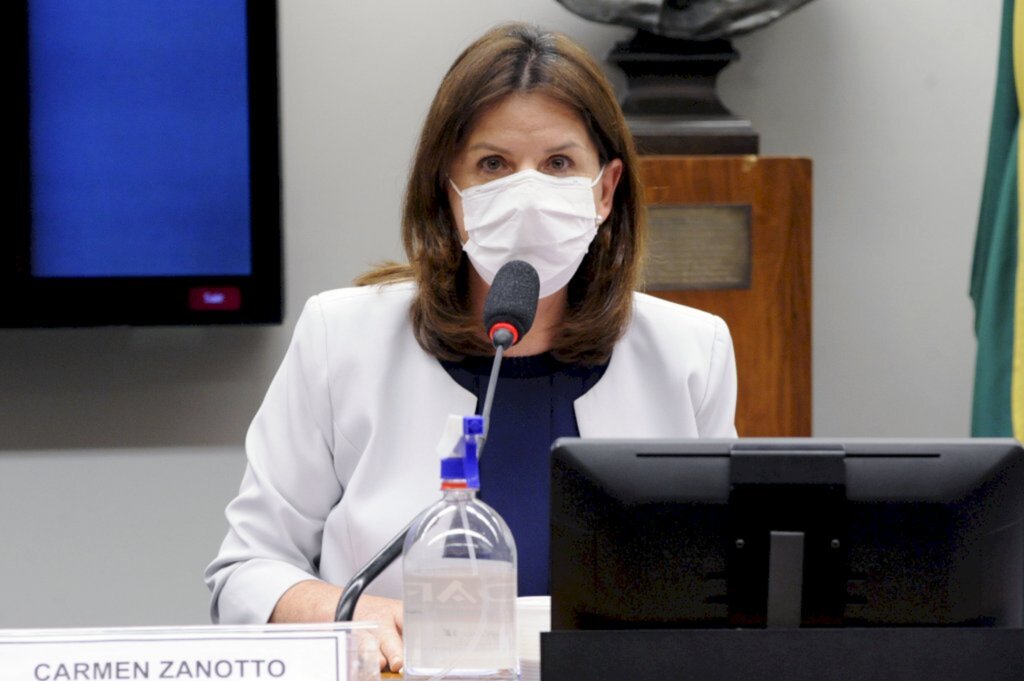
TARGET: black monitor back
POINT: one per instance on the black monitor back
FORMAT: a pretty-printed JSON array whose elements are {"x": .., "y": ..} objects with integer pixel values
[{"x": 652, "y": 534}]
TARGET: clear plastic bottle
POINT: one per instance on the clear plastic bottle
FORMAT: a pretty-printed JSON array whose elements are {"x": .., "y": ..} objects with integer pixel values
[{"x": 459, "y": 577}]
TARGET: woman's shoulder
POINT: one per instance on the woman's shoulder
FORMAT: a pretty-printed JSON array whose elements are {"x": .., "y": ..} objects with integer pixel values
[
  {"x": 374, "y": 301},
  {"x": 377, "y": 294},
  {"x": 658, "y": 313},
  {"x": 360, "y": 314}
]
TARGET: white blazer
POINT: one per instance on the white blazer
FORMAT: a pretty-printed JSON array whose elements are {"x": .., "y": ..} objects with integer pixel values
[{"x": 341, "y": 454}]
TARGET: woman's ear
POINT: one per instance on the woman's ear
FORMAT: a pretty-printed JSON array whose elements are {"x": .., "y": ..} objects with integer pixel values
[{"x": 609, "y": 181}]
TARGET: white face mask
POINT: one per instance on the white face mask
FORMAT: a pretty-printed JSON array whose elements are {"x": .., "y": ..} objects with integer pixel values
[{"x": 547, "y": 221}]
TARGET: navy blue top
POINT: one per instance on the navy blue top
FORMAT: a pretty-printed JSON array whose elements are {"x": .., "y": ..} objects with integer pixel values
[{"x": 533, "y": 405}]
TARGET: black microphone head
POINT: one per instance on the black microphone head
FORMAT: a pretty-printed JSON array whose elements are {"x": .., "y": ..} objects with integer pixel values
[{"x": 511, "y": 303}]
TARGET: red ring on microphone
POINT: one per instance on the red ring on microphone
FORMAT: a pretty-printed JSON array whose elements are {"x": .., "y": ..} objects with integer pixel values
[{"x": 508, "y": 327}]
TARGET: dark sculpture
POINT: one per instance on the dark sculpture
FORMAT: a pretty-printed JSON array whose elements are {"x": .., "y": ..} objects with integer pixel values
[
  {"x": 687, "y": 19},
  {"x": 672, "y": 66}
]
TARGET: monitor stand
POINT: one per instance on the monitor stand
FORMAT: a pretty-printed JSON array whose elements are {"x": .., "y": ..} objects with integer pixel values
[
  {"x": 785, "y": 579},
  {"x": 787, "y": 560}
]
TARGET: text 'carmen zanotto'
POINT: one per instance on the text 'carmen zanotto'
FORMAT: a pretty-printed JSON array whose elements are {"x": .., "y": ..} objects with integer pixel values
[{"x": 161, "y": 669}]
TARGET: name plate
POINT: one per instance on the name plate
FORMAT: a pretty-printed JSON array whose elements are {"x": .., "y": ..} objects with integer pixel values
[{"x": 340, "y": 652}]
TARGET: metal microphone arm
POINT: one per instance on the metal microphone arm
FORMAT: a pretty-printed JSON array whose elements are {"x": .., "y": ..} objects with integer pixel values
[
  {"x": 499, "y": 350},
  {"x": 369, "y": 572}
]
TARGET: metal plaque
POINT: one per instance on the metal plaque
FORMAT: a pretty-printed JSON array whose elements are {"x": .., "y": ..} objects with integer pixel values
[{"x": 698, "y": 247}]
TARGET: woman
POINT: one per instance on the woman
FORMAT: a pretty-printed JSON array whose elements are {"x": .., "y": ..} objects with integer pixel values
[{"x": 524, "y": 155}]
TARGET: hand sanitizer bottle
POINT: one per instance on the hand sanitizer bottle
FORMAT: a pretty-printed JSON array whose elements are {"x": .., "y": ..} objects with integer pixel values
[{"x": 459, "y": 572}]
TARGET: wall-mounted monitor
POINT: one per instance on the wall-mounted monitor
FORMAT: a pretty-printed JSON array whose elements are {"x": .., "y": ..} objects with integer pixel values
[{"x": 144, "y": 186}]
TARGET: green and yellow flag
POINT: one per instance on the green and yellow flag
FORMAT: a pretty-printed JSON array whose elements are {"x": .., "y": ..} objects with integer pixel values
[{"x": 997, "y": 283}]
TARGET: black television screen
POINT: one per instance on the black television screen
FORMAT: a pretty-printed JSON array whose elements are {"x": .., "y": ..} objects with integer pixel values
[
  {"x": 147, "y": 183},
  {"x": 786, "y": 532}
]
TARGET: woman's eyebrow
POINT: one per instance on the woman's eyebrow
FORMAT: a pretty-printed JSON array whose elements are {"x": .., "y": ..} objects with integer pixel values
[
  {"x": 563, "y": 147},
  {"x": 502, "y": 150},
  {"x": 489, "y": 147}
]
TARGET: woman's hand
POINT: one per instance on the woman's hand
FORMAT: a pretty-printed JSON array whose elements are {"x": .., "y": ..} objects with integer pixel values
[
  {"x": 387, "y": 614},
  {"x": 315, "y": 601}
]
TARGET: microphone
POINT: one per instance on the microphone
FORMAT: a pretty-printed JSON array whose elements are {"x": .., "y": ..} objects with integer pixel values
[
  {"x": 511, "y": 303},
  {"x": 508, "y": 315}
]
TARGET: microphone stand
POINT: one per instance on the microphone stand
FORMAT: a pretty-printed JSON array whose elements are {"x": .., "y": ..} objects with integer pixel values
[
  {"x": 386, "y": 556},
  {"x": 499, "y": 350},
  {"x": 369, "y": 572}
]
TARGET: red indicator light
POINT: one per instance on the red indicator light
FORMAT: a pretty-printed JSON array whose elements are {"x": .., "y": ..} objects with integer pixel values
[{"x": 223, "y": 298}]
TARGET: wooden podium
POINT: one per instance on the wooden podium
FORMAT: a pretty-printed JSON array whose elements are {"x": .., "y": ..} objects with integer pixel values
[{"x": 731, "y": 235}]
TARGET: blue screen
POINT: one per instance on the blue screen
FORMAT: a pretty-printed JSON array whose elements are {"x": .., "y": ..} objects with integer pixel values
[{"x": 139, "y": 138}]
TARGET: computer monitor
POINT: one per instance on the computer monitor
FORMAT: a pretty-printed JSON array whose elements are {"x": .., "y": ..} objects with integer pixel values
[{"x": 786, "y": 532}]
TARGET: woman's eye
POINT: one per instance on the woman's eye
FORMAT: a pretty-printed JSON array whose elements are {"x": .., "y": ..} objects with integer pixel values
[
  {"x": 491, "y": 164},
  {"x": 560, "y": 164}
]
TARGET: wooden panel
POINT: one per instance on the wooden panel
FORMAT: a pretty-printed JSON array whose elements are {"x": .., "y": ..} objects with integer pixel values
[{"x": 771, "y": 320}]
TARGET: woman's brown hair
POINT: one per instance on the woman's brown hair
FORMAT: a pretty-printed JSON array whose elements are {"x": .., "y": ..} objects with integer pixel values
[{"x": 518, "y": 58}]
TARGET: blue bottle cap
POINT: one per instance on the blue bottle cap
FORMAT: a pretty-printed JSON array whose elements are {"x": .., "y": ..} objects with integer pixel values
[{"x": 453, "y": 469}]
